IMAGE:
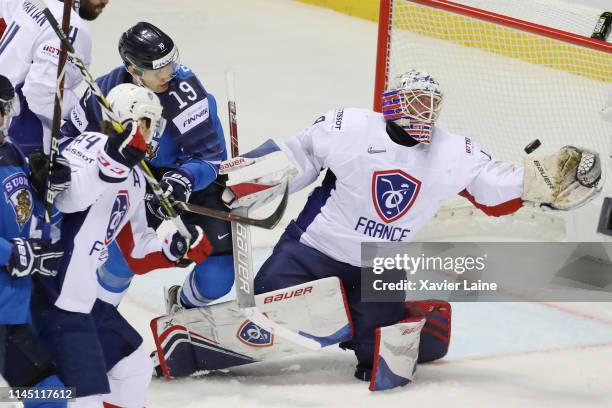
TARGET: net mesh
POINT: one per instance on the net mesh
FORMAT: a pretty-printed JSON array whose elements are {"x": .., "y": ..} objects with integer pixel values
[{"x": 505, "y": 87}]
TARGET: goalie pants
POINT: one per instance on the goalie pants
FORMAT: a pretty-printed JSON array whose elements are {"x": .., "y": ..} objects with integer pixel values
[{"x": 293, "y": 263}]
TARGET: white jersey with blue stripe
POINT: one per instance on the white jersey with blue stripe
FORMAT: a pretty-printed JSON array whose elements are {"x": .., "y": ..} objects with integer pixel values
[
  {"x": 378, "y": 190},
  {"x": 96, "y": 214},
  {"x": 29, "y": 55}
]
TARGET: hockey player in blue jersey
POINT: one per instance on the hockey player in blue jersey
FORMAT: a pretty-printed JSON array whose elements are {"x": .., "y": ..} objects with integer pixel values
[
  {"x": 24, "y": 362},
  {"x": 185, "y": 155}
]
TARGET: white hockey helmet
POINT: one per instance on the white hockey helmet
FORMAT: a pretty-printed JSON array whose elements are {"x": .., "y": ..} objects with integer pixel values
[
  {"x": 413, "y": 102},
  {"x": 130, "y": 102}
]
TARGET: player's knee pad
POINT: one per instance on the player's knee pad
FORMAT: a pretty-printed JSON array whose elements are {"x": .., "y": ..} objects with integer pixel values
[
  {"x": 129, "y": 380},
  {"x": 214, "y": 277},
  {"x": 435, "y": 336}
]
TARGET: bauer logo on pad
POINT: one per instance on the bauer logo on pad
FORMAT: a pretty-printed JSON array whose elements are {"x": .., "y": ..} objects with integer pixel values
[
  {"x": 252, "y": 335},
  {"x": 393, "y": 193}
]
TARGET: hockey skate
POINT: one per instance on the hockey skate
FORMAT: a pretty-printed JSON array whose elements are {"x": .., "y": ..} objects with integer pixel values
[{"x": 172, "y": 296}]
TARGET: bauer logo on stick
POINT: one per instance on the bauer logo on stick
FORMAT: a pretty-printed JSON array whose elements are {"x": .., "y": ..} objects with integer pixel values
[{"x": 393, "y": 193}]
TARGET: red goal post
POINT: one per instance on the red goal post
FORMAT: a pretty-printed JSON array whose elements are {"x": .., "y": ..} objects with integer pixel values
[{"x": 512, "y": 71}]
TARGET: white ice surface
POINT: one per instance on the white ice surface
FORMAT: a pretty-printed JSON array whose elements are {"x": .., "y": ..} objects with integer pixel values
[{"x": 293, "y": 62}]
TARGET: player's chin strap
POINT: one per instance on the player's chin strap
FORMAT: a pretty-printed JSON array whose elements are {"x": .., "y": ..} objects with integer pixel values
[{"x": 97, "y": 92}]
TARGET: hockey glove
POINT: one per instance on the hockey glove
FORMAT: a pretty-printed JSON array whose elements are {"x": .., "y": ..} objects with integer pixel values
[
  {"x": 183, "y": 254},
  {"x": 176, "y": 185},
  {"x": 121, "y": 153},
  {"x": 39, "y": 171},
  {"x": 31, "y": 256},
  {"x": 564, "y": 180}
]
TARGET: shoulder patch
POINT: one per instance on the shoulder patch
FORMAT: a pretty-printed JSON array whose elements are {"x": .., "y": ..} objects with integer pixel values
[{"x": 17, "y": 193}]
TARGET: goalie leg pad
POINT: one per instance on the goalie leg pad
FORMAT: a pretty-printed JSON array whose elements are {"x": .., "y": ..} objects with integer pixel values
[
  {"x": 218, "y": 336},
  {"x": 396, "y": 355},
  {"x": 435, "y": 336}
]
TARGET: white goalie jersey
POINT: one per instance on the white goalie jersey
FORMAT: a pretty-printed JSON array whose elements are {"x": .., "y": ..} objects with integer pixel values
[{"x": 378, "y": 190}]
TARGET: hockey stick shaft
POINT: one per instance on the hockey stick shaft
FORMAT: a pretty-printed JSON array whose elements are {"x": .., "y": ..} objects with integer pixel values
[
  {"x": 57, "y": 111},
  {"x": 243, "y": 256},
  {"x": 97, "y": 92}
]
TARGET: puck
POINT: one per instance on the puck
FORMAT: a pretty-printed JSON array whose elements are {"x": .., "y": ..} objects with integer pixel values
[{"x": 532, "y": 146}]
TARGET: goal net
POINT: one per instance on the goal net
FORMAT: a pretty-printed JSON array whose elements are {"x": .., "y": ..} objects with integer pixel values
[{"x": 512, "y": 71}]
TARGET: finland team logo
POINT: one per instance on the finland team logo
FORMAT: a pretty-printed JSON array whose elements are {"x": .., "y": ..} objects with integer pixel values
[
  {"x": 393, "y": 193},
  {"x": 120, "y": 210},
  {"x": 17, "y": 194},
  {"x": 252, "y": 335}
]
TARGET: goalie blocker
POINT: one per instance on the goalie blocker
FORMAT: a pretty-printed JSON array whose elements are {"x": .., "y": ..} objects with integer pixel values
[{"x": 218, "y": 336}]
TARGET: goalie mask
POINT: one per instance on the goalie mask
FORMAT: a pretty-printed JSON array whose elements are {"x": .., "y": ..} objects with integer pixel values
[
  {"x": 130, "y": 102},
  {"x": 413, "y": 102}
]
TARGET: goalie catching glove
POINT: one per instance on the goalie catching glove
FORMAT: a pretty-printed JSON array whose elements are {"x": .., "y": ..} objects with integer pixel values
[
  {"x": 257, "y": 177},
  {"x": 564, "y": 180},
  {"x": 183, "y": 253}
]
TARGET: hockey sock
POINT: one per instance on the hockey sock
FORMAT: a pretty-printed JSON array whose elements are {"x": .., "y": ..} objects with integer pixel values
[
  {"x": 208, "y": 281},
  {"x": 50, "y": 383}
]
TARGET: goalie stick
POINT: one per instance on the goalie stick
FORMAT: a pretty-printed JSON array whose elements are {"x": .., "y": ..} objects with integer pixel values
[
  {"x": 97, "y": 92},
  {"x": 57, "y": 111},
  {"x": 241, "y": 240},
  {"x": 265, "y": 223}
]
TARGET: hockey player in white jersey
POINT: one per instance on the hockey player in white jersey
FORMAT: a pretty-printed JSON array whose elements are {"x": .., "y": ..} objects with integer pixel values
[
  {"x": 106, "y": 203},
  {"x": 386, "y": 176},
  {"x": 29, "y": 55}
]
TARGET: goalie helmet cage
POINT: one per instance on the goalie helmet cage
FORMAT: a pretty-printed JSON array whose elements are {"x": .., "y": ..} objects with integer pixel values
[{"x": 511, "y": 71}]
